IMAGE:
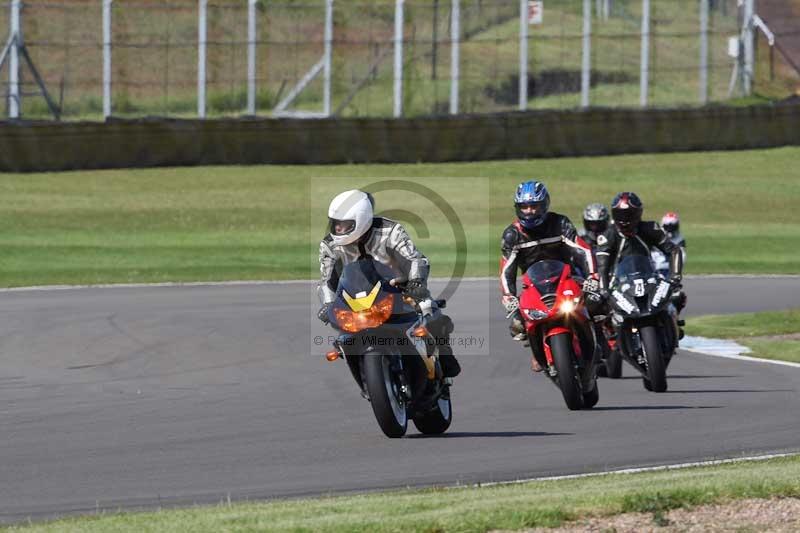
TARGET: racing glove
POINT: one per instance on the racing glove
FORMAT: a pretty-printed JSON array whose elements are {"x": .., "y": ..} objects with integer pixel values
[
  {"x": 511, "y": 303},
  {"x": 416, "y": 289},
  {"x": 591, "y": 285},
  {"x": 322, "y": 314}
]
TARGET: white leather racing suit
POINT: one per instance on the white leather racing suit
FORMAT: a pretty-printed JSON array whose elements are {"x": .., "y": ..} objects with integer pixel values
[{"x": 386, "y": 241}]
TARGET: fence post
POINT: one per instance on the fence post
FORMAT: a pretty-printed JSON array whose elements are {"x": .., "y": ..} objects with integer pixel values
[
  {"x": 586, "y": 62},
  {"x": 704, "y": 8},
  {"x": 201, "y": 58},
  {"x": 252, "y": 37},
  {"x": 107, "y": 58},
  {"x": 645, "y": 58},
  {"x": 326, "y": 72},
  {"x": 749, "y": 52},
  {"x": 455, "y": 41},
  {"x": 14, "y": 103},
  {"x": 398, "y": 58},
  {"x": 523, "y": 55}
]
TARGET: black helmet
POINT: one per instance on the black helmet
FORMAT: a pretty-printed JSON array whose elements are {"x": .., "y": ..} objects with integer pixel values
[
  {"x": 595, "y": 218},
  {"x": 626, "y": 208}
]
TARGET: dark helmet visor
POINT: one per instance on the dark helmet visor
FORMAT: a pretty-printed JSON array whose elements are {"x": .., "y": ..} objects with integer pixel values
[{"x": 341, "y": 227}]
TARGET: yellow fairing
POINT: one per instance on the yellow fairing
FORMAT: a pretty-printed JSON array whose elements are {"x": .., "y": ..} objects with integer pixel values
[{"x": 363, "y": 303}]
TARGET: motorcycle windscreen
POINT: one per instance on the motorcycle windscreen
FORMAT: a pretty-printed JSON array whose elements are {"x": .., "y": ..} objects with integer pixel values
[
  {"x": 362, "y": 275},
  {"x": 545, "y": 275},
  {"x": 634, "y": 266}
]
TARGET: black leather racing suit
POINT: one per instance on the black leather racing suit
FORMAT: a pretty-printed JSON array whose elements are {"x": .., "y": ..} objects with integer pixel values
[
  {"x": 612, "y": 246},
  {"x": 555, "y": 238},
  {"x": 589, "y": 237}
]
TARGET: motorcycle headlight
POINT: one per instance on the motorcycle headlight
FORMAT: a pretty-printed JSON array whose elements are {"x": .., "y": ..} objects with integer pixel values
[
  {"x": 372, "y": 317},
  {"x": 568, "y": 305}
]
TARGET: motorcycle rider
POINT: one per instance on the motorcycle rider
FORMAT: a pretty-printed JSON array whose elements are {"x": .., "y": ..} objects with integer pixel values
[
  {"x": 595, "y": 222},
  {"x": 355, "y": 233},
  {"x": 630, "y": 235},
  {"x": 671, "y": 224},
  {"x": 538, "y": 234}
]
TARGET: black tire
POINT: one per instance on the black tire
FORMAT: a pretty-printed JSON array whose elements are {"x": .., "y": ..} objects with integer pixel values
[
  {"x": 437, "y": 421},
  {"x": 591, "y": 398},
  {"x": 564, "y": 360},
  {"x": 390, "y": 412},
  {"x": 656, "y": 369},
  {"x": 614, "y": 364}
]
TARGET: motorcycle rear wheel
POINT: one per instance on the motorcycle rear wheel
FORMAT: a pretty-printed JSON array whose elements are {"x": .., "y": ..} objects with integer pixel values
[
  {"x": 384, "y": 395},
  {"x": 436, "y": 421},
  {"x": 564, "y": 360}
]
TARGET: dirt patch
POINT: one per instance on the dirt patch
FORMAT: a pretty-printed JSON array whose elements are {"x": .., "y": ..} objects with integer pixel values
[{"x": 779, "y": 515}]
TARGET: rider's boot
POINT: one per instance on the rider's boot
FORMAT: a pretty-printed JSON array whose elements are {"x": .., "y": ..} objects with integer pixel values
[{"x": 450, "y": 366}]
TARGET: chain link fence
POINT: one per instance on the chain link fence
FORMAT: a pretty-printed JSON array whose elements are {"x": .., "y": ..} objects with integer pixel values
[{"x": 187, "y": 58}]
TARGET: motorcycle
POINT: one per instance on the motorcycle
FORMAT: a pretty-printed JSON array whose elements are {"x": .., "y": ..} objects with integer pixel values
[
  {"x": 560, "y": 332},
  {"x": 644, "y": 318},
  {"x": 385, "y": 340}
]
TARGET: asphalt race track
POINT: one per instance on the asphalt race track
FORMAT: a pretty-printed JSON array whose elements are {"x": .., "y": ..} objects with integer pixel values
[{"x": 126, "y": 397}]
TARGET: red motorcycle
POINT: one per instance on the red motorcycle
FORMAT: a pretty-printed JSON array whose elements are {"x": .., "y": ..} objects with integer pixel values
[{"x": 560, "y": 331}]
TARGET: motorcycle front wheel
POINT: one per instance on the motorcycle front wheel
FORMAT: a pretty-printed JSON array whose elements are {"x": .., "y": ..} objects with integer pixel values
[
  {"x": 564, "y": 361},
  {"x": 384, "y": 395},
  {"x": 614, "y": 364},
  {"x": 656, "y": 369}
]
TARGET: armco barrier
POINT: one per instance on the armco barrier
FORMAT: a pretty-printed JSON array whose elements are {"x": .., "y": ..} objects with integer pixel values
[{"x": 48, "y": 146}]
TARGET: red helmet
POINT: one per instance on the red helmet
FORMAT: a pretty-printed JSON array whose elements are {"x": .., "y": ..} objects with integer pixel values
[{"x": 626, "y": 208}]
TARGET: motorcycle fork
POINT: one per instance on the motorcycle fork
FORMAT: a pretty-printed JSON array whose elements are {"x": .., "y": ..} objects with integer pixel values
[{"x": 548, "y": 354}]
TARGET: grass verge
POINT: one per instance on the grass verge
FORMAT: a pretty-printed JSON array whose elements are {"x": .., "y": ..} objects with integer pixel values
[
  {"x": 265, "y": 222},
  {"x": 769, "y": 334},
  {"x": 506, "y": 507}
]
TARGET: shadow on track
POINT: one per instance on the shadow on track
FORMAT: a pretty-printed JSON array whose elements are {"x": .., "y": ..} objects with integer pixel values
[
  {"x": 638, "y": 376},
  {"x": 652, "y": 407},
  {"x": 700, "y": 391},
  {"x": 492, "y": 434}
]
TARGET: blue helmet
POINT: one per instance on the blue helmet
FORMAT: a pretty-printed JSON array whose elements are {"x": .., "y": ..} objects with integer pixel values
[{"x": 532, "y": 193}]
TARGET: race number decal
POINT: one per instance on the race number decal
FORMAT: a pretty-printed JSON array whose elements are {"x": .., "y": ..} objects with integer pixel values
[{"x": 638, "y": 287}]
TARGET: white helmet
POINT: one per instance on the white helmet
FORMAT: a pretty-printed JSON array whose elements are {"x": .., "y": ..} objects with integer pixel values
[{"x": 354, "y": 210}]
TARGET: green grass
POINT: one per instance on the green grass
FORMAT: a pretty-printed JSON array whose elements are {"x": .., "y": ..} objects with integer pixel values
[
  {"x": 154, "y": 72},
  {"x": 741, "y": 325},
  {"x": 777, "y": 349},
  {"x": 507, "y": 507},
  {"x": 265, "y": 222},
  {"x": 757, "y": 331}
]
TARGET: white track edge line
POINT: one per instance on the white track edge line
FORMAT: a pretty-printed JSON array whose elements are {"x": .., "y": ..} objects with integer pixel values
[
  {"x": 677, "y": 466},
  {"x": 746, "y": 358}
]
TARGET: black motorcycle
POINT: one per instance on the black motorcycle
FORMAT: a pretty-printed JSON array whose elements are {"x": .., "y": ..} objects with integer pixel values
[
  {"x": 644, "y": 319},
  {"x": 389, "y": 349}
]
